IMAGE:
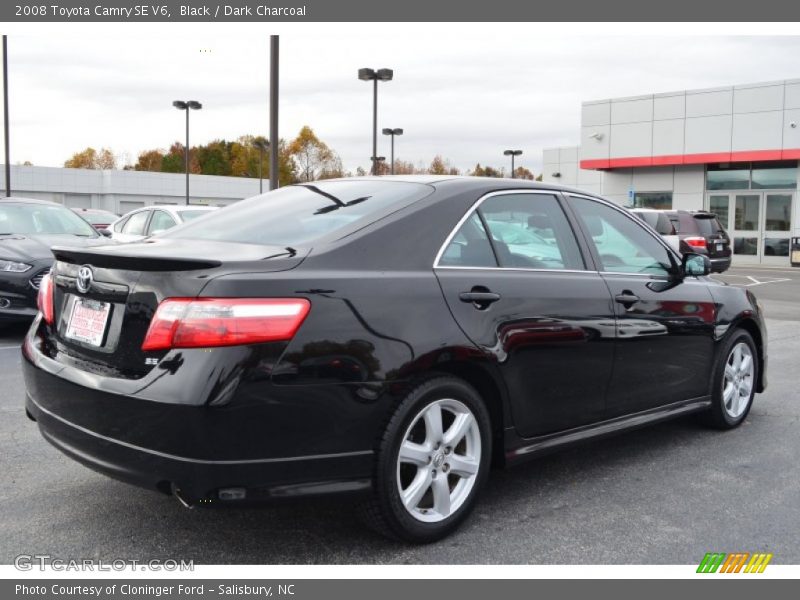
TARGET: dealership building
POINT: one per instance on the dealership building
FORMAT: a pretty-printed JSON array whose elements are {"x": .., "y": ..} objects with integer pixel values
[{"x": 731, "y": 150}]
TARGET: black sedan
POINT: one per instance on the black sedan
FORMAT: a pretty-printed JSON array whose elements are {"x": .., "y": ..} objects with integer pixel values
[
  {"x": 28, "y": 228},
  {"x": 387, "y": 337}
]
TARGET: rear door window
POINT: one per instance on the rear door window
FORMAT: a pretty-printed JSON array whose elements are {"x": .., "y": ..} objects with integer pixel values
[
  {"x": 469, "y": 247},
  {"x": 531, "y": 231}
]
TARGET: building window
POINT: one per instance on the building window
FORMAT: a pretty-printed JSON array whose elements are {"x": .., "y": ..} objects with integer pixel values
[
  {"x": 774, "y": 176},
  {"x": 657, "y": 200},
  {"x": 781, "y": 175}
]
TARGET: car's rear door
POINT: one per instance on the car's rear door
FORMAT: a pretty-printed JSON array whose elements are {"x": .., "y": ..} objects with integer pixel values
[
  {"x": 514, "y": 277},
  {"x": 665, "y": 325}
]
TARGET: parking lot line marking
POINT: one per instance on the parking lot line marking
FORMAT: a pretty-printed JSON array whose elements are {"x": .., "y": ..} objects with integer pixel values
[
  {"x": 10, "y": 347},
  {"x": 753, "y": 280}
]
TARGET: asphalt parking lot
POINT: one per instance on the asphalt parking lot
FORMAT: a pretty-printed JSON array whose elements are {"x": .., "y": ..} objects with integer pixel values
[{"x": 663, "y": 495}]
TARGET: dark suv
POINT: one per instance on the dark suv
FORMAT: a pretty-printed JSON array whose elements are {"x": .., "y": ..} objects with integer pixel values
[{"x": 702, "y": 233}]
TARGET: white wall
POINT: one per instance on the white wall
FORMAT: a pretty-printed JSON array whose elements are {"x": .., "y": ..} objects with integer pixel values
[{"x": 110, "y": 189}]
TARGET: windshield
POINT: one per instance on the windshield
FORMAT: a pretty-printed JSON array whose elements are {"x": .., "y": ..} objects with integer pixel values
[
  {"x": 42, "y": 219},
  {"x": 297, "y": 215},
  {"x": 188, "y": 215}
]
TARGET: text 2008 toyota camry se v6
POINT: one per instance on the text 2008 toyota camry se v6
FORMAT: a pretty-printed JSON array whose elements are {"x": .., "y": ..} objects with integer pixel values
[{"x": 386, "y": 336}]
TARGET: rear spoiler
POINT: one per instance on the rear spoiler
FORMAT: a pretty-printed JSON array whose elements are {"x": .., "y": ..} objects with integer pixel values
[{"x": 100, "y": 257}]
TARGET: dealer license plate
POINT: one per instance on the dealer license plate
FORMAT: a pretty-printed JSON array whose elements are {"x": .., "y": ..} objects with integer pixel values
[{"x": 87, "y": 323}]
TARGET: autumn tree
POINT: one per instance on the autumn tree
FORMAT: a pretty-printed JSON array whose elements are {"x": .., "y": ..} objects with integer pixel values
[
  {"x": 404, "y": 167},
  {"x": 487, "y": 171},
  {"x": 173, "y": 161},
  {"x": 312, "y": 156},
  {"x": 92, "y": 159},
  {"x": 149, "y": 160},
  {"x": 523, "y": 173}
]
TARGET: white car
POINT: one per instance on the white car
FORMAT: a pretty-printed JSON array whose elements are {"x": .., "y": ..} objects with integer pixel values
[
  {"x": 142, "y": 222},
  {"x": 658, "y": 220}
]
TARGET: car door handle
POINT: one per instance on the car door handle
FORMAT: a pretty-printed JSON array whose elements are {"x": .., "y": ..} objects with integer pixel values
[
  {"x": 627, "y": 298},
  {"x": 480, "y": 299}
]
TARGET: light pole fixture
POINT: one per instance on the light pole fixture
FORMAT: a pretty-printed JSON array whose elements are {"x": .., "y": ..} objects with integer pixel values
[
  {"x": 263, "y": 146},
  {"x": 392, "y": 132},
  {"x": 187, "y": 106},
  {"x": 375, "y": 76},
  {"x": 512, "y": 154}
]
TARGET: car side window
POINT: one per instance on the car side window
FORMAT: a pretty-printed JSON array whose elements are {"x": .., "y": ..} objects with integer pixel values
[
  {"x": 531, "y": 231},
  {"x": 469, "y": 247},
  {"x": 622, "y": 244},
  {"x": 118, "y": 226},
  {"x": 161, "y": 221},
  {"x": 136, "y": 223}
]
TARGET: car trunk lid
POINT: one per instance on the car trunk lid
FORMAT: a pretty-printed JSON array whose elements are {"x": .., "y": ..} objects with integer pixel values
[{"x": 105, "y": 298}]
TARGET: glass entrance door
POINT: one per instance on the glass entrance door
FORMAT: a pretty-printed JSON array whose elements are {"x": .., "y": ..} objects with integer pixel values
[
  {"x": 759, "y": 223},
  {"x": 776, "y": 228}
]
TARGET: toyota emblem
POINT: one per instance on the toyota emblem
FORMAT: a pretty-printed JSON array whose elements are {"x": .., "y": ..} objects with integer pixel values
[{"x": 85, "y": 277}]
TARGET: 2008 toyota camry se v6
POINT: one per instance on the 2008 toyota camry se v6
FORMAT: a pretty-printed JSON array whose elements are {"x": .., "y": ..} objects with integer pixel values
[{"x": 392, "y": 337}]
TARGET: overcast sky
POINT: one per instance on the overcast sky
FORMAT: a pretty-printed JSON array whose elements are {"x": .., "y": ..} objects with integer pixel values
[{"x": 464, "y": 93}]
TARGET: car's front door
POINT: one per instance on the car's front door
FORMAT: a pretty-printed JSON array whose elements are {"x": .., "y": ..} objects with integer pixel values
[
  {"x": 515, "y": 279},
  {"x": 665, "y": 324}
]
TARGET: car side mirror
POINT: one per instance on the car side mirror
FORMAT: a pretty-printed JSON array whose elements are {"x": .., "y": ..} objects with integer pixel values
[
  {"x": 695, "y": 265},
  {"x": 105, "y": 232}
]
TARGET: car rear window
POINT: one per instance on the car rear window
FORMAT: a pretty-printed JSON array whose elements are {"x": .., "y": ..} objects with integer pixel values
[
  {"x": 707, "y": 226},
  {"x": 299, "y": 215}
]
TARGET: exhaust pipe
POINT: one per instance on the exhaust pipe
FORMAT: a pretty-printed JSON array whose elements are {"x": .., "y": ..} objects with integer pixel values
[{"x": 177, "y": 493}]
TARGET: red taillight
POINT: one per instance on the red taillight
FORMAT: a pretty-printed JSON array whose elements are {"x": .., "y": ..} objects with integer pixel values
[
  {"x": 696, "y": 242},
  {"x": 208, "y": 322},
  {"x": 45, "y": 299}
]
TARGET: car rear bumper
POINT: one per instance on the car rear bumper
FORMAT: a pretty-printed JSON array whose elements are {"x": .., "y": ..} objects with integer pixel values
[
  {"x": 198, "y": 449},
  {"x": 718, "y": 265},
  {"x": 200, "y": 481}
]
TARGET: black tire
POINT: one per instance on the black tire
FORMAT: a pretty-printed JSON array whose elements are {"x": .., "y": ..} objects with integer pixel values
[
  {"x": 384, "y": 511},
  {"x": 718, "y": 416}
]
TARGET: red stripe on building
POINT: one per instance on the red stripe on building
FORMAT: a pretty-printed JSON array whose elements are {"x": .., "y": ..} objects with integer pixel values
[{"x": 690, "y": 159}]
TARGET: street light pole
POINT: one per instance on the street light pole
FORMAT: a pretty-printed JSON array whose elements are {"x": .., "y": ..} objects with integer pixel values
[
  {"x": 375, "y": 76},
  {"x": 512, "y": 154},
  {"x": 187, "y": 106},
  {"x": 392, "y": 132},
  {"x": 274, "y": 47},
  {"x": 5, "y": 115},
  {"x": 186, "y": 157}
]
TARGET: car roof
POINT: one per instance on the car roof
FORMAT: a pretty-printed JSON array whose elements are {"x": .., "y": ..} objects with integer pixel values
[
  {"x": 91, "y": 210},
  {"x": 468, "y": 181},
  {"x": 173, "y": 208},
  {"x": 20, "y": 200}
]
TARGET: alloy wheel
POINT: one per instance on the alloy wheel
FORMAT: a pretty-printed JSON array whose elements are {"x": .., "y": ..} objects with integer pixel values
[
  {"x": 737, "y": 382},
  {"x": 438, "y": 460}
]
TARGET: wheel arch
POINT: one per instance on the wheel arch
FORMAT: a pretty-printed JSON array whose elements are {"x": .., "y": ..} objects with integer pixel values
[
  {"x": 750, "y": 326},
  {"x": 489, "y": 389}
]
